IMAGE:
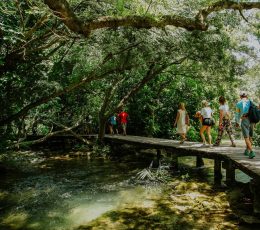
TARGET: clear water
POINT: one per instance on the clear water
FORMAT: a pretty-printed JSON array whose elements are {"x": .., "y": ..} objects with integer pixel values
[{"x": 65, "y": 193}]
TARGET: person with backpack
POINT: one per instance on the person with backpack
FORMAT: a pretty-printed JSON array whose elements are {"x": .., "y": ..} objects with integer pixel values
[
  {"x": 224, "y": 122},
  {"x": 112, "y": 124},
  {"x": 247, "y": 127}
]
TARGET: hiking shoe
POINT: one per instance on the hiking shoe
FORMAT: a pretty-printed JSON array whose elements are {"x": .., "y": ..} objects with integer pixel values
[
  {"x": 233, "y": 145},
  {"x": 251, "y": 155},
  {"x": 216, "y": 145},
  {"x": 246, "y": 153}
]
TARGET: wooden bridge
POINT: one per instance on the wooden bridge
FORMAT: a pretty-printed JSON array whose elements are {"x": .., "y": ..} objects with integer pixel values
[{"x": 224, "y": 156}]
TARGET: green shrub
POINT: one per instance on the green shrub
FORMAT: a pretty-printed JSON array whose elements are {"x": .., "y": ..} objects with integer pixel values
[
  {"x": 256, "y": 138},
  {"x": 193, "y": 134}
]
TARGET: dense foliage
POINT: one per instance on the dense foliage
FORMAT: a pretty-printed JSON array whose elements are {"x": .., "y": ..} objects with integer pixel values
[{"x": 53, "y": 79}]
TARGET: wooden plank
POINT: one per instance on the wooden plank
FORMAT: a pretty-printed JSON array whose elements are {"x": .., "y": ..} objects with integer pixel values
[{"x": 235, "y": 155}]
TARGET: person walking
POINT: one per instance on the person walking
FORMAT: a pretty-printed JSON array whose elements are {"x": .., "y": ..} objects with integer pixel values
[
  {"x": 224, "y": 122},
  {"x": 180, "y": 122},
  {"x": 123, "y": 118},
  {"x": 242, "y": 109},
  {"x": 112, "y": 124},
  {"x": 206, "y": 113}
]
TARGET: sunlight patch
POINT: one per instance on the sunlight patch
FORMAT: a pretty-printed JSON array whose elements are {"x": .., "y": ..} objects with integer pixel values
[
  {"x": 16, "y": 220},
  {"x": 84, "y": 214}
]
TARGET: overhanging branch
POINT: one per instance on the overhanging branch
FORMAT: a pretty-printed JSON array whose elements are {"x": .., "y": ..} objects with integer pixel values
[{"x": 62, "y": 9}]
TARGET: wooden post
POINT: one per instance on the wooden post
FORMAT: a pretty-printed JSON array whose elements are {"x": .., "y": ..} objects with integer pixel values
[
  {"x": 217, "y": 172},
  {"x": 174, "y": 162},
  {"x": 255, "y": 188},
  {"x": 159, "y": 154},
  {"x": 199, "y": 162},
  {"x": 230, "y": 173}
]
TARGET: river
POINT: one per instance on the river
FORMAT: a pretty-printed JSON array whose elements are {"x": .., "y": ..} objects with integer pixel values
[{"x": 60, "y": 192}]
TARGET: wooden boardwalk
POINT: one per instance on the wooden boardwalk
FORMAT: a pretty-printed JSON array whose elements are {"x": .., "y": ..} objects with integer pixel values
[
  {"x": 230, "y": 158},
  {"x": 225, "y": 153},
  {"x": 224, "y": 156}
]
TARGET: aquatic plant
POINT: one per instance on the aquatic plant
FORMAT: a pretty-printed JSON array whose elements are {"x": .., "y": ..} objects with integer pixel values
[
  {"x": 159, "y": 174},
  {"x": 100, "y": 151}
]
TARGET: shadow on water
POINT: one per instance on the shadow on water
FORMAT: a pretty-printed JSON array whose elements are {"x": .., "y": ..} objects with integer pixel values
[{"x": 60, "y": 192}]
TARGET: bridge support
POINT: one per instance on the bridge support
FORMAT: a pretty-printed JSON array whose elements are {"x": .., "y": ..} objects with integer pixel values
[
  {"x": 255, "y": 188},
  {"x": 199, "y": 162},
  {"x": 217, "y": 172},
  {"x": 174, "y": 162},
  {"x": 230, "y": 173},
  {"x": 159, "y": 154}
]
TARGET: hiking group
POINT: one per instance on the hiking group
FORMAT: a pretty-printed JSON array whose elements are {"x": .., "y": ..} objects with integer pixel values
[
  {"x": 118, "y": 121},
  {"x": 246, "y": 116}
]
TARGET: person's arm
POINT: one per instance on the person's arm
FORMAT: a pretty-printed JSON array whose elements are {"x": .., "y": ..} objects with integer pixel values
[
  {"x": 237, "y": 116},
  {"x": 177, "y": 118}
]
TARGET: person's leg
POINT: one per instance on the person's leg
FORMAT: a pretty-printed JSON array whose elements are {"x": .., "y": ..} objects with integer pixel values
[
  {"x": 248, "y": 143},
  {"x": 220, "y": 133},
  {"x": 228, "y": 127},
  {"x": 245, "y": 126},
  {"x": 182, "y": 137},
  {"x": 111, "y": 129},
  {"x": 124, "y": 129},
  {"x": 209, "y": 135},
  {"x": 202, "y": 130}
]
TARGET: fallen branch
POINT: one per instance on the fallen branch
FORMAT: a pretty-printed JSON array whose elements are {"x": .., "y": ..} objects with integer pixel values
[
  {"x": 43, "y": 139},
  {"x": 72, "y": 132}
]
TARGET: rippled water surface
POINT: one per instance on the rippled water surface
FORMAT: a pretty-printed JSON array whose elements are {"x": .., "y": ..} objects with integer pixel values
[{"x": 66, "y": 193}]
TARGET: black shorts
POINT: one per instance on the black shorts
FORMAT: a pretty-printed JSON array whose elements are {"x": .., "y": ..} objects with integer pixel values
[{"x": 207, "y": 121}]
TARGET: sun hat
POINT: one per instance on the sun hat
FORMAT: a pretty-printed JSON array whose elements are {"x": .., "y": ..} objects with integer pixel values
[{"x": 243, "y": 94}]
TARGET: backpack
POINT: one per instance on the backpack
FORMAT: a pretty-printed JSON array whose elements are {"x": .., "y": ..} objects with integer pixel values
[{"x": 253, "y": 113}]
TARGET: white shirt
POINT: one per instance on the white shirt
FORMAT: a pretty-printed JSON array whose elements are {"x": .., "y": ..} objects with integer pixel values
[
  {"x": 225, "y": 109},
  {"x": 206, "y": 112}
]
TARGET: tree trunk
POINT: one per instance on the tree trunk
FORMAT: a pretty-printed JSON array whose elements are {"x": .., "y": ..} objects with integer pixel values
[{"x": 102, "y": 128}]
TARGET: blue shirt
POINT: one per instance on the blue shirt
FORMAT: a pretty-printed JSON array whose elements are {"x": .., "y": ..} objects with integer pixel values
[
  {"x": 112, "y": 120},
  {"x": 242, "y": 107}
]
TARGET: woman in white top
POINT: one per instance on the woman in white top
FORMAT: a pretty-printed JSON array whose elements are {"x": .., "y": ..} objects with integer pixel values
[
  {"x": 224, "y": 122},
  {"x": 206, "y": 113},
  {"x": 180, "y": 121}
]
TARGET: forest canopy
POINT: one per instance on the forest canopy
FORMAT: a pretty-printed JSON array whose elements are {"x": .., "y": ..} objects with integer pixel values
[{"x": 69, "y": 65}]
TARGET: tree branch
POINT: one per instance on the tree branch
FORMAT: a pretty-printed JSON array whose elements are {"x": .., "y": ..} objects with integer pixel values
[
  {"x": 43, "y": 139},
  {"x": 151, "y": 73},
  {"x": 62, "y": 9},
  {"x": 225, "y": 5},
  {"x": 70, "y": 88}
]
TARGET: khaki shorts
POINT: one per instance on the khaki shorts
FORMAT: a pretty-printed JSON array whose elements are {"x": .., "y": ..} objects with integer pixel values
[
  {"x": 123, "y": 125},
  {"x": 247, "y": 128}
]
